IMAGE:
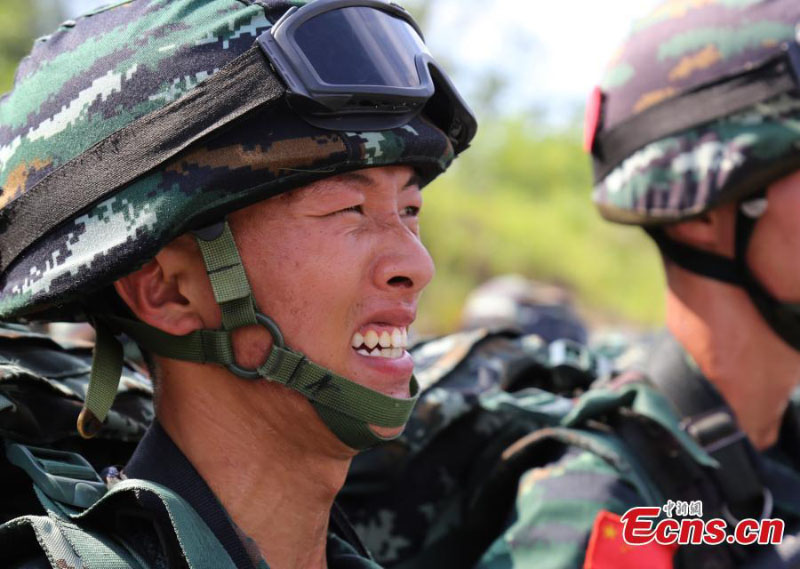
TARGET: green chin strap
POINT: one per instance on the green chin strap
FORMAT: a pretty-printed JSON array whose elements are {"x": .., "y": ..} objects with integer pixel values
[{"x": 346, "y": 407}]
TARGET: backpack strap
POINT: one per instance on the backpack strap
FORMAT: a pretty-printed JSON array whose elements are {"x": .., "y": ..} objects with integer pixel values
[
  {"x": 71, "y": 523},
  {"x": 709, "y": 420},
  {"x": 66, "y": 545},
  {"x": 672, "y": 464},
  {"x": 199, "y": 546}
]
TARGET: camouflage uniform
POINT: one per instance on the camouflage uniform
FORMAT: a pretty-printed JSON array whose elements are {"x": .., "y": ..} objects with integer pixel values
[
  {"x": 86, "y": 199},
  {"x": 42, "y": 388},
  {"x": 563, "y": 506},
  {"x": 501, "y": 466}
]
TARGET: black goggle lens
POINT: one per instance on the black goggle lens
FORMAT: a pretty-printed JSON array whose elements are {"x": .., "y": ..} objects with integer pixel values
[{"x": 385, "y": 57}]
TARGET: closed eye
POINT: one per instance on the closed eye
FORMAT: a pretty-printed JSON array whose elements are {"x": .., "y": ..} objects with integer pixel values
[{"x": 351, "y": 209}]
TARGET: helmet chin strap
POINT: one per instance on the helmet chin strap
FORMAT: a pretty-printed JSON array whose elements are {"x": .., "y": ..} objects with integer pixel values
[
  {"x": 346, "y": 407},
  {"x": 782, "y": 317}
]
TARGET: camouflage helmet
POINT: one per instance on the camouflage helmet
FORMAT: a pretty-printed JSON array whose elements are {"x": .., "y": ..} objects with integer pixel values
[
  {"x": 110, "y": 70},
  {"x": 681, "y": 121},
  {"x": 700, "y": 107},
  {"x": 530, "y": 306},
  {"x": 150, "y": 118}
]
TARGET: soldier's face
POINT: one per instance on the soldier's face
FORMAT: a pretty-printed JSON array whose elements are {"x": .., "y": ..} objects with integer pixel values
[
  {"x": 774, "y": 249},
  {"x": 339, "y": 265}
]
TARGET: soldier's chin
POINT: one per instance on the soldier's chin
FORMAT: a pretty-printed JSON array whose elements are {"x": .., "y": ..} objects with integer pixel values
[{"x": 387, "y": 432}]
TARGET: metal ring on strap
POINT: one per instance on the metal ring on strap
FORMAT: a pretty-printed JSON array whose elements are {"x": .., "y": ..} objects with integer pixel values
[{"x": 277, "y": 340}]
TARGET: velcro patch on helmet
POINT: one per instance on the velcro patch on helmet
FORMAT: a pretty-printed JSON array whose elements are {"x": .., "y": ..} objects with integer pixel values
[{"x": 594, "y": 113}]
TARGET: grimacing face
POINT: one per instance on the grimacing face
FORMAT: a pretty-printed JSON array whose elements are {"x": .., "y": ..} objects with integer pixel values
[{"x": 339, "y": 266}]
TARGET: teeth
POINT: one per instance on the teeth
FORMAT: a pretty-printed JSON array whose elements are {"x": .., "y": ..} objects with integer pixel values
[
  {"x": 386, "y": 344},
  {"x": 388, "y": 353},
  {"x": 371, "y": 339}
]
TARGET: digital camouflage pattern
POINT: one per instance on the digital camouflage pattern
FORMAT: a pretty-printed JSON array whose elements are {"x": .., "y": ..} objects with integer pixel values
[
  {"x": 681, "y": 45},
  {"x": 481, "y": 392},
  {"x": 95, "y": 75}
]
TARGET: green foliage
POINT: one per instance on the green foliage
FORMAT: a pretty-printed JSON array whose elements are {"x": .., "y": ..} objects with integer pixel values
[
  {"x": 17, "y": 22},
  {"x": 519, "y": 201}
]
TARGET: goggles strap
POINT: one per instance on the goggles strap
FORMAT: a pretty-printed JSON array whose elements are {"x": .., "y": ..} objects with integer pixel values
[{"x": 347, "y": 408}]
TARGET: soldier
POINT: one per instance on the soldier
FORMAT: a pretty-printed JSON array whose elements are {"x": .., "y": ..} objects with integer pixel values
[
  {"x": 137, "y": 150},
  {"x": 694, "y": 136}
]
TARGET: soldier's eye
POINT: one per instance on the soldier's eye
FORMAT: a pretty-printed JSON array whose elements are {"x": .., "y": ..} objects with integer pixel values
[{"x": 351, "y": 209}]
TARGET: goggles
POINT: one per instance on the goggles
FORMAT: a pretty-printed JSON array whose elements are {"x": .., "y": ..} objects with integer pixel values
[{"x": 362, "y": 65}]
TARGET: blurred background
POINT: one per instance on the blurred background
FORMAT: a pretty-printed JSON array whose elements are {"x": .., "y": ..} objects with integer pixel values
[{"x": 519, "y": 200}]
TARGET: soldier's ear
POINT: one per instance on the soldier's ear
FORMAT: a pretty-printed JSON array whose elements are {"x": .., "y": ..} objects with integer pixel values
[
  {"x": 168, "y": 291},
  {"x": 713, "y": 231}
]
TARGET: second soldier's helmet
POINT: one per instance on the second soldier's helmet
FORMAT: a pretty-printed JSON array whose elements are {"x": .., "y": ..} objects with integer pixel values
[{"x": 700, "y": 107}]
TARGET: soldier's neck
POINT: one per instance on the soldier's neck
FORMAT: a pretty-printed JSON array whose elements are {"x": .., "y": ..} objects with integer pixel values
[
  {"x": 265, "y": 453},
  {"x": 747, "y": 362}
]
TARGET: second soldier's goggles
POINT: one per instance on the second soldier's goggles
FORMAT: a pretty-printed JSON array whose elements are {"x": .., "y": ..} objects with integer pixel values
[
  {"x": 346, "y": 65},
  {"x": 362, "y": 65}
]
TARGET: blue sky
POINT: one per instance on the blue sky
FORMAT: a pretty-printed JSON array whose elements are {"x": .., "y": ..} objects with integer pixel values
[{"x": 551, "y": 53}]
